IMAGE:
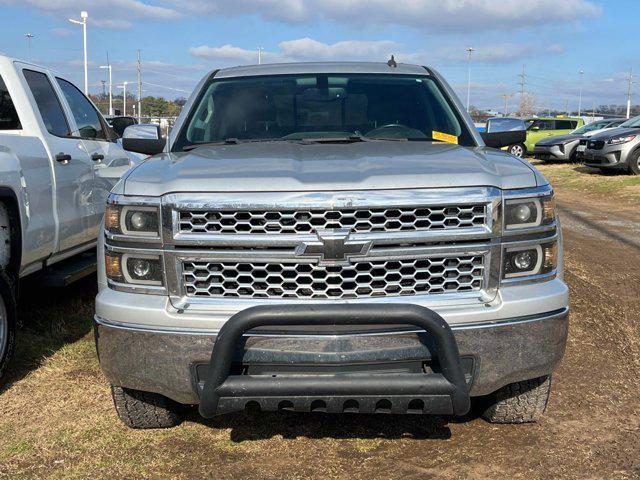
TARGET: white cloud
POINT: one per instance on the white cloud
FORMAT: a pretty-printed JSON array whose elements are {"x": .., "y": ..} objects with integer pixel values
[
  {"x": 226, "y": 53},
  {"x": 441, "y": 16},
  {"x": 309, "y": 49},
  {"x": 115, "y": 14},
  {"x": 302, "y": 49},
  {"x": 495, "y": 53},
  {"x": 289, "y": 11},
  {"x": 61, "y": 32}
]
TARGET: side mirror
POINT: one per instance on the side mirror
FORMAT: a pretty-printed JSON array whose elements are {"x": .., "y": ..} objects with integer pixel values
[
  {"x": 535, "y": 129},
  {"x": 502, "y": 132},
  {"x": 144, "y": 138}
]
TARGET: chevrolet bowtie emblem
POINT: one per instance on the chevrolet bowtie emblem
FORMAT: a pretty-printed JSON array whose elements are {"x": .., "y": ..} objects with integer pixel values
[{"x": 333, "y": 247}]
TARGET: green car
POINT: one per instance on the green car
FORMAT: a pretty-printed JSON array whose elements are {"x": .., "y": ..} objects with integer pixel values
[{"x": 539, "y": 128}]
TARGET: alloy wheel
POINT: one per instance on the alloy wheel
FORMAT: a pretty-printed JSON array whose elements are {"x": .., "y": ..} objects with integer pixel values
[{"x": 517, "y": 150}]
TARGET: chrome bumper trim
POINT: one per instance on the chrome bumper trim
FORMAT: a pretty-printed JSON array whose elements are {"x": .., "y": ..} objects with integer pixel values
[{"x": 458, "y": 327}]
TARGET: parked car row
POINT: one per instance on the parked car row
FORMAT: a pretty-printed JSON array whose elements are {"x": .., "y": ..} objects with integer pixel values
[
  {"x": 605, "y": 144},
  {"x": 572, "y": 145},
  {"x": 609, "y": 145}
]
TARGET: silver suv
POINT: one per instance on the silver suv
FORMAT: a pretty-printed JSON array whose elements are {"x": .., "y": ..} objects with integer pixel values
[
  {"x": 618, "y": 148},
  {"x": 329, "y": 237}
]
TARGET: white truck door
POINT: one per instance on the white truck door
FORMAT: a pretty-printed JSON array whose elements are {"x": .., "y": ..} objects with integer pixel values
[
  {"x": 110, "y": 161},
  {"x": 73, "y": 169}
]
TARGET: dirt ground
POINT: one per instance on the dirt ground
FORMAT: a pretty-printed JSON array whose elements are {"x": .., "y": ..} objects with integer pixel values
[{"x": 57, "y": 419}]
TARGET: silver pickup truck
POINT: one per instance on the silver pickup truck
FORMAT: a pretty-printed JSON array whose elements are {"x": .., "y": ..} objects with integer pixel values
[
  {"x": 330, "y": 237},
  {"x": 58, "y": 161}
]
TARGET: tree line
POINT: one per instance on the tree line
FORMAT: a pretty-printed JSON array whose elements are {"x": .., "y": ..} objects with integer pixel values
[{"x": 151, "y": 106}]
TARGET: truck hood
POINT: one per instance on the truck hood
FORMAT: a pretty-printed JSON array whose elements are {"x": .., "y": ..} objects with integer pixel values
[{"x": 299, "y": 166}]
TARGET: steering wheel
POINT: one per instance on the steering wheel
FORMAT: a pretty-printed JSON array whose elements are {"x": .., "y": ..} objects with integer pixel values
[{"x": 396, "y": 130}]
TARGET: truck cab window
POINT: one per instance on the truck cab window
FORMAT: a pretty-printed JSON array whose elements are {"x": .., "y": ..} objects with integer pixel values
[
  {"x": 48, "y": 103},
  {"x": 87, "y": 118},
  {"x": 8, "y": 116}
]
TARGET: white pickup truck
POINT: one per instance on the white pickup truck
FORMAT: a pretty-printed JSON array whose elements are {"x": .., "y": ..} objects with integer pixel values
[{"x": 58, "y": 161}]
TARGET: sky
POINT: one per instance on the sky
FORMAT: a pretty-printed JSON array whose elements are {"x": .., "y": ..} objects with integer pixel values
[{"x": 181, "y": 40}]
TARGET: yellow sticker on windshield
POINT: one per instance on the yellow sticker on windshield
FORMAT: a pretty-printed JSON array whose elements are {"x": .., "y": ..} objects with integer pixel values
[{"x": 444, "y": 137}]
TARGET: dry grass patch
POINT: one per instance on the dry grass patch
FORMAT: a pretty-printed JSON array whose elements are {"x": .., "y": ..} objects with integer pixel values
[{"x": 590, "y": 180}]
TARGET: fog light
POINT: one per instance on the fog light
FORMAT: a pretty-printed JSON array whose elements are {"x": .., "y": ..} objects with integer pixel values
[
  {"x": 140, "y": 268},
  {"x": 524, "y": 260}
]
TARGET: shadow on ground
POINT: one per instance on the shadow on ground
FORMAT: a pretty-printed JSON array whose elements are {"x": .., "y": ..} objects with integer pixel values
[
  {"x": 247, "y": 426},
  {"x": 50, "y": 318}
]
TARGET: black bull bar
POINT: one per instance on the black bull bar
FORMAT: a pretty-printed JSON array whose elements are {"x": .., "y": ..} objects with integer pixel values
[{"x": 444, "y": 392}]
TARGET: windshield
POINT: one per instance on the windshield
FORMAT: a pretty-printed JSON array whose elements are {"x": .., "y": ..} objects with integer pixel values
[
  {"x": 591, "y": 127},
  {"x": 323, "y": 106},
  {"x": 632, "y": 122}
]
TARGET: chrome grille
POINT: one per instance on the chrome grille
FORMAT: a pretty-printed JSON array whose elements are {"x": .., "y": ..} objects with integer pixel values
[
  {"x": 371, "y": 278},
  {"x": 309, "y": 220}
]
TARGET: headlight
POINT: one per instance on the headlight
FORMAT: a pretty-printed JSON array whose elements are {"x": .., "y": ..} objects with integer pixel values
[
  {"x": 134, "y": 269},
  {"x": 528, "y": 212},
  {"x": 525, "y": 261},
  {"x": 620, "y": 140},
  {"x": 131, "y": 220}
]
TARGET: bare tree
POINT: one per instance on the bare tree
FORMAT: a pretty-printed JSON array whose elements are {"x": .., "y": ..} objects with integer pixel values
[{"x": 527, "y": 105}]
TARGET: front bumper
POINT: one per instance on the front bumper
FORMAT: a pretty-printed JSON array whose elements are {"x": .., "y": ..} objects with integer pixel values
[
  {"x": 170, "y": 362},
  {"x": 612, "y": 156},
  {"x": 551, "y": 152}
]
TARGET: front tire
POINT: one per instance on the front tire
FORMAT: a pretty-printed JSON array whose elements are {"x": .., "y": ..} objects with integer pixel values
[
  {"x": 634, "y": 163},
  {"x": 519, "y": 402},
  {"x": 8, "y": 322},
  {"x": 519, "y": 150},
  {"x": 573, "y": 156},
  {"x": 143, "y": 410}
]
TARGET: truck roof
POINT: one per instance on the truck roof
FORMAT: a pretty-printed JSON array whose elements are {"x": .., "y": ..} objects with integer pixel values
[
  {"x": 9, "y": 61},
  {"x": 321, "y": 67}
]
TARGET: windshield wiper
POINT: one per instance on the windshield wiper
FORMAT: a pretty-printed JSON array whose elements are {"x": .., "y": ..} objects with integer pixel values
[
  {"x": 345, "y": 139},
  {"x": 226, "y": 141},
  {"x": 230, "y": 141}
]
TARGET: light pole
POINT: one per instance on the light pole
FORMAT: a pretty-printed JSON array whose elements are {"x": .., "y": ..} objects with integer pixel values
[
  {"x": 124, "y": 98},
  {"x": 110, "y": 88},
  {"x": 260, "y": 49},
  {"x": 84, "y": 15},
  {"x": 580, "y": 96},
  {"x": 630, "y": 83},
  {"x": 29, "y": 37},
  {"x": 469, "y": 51}
]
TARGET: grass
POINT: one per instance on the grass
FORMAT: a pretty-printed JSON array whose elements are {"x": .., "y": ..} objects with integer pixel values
[{"x": 576, "y": 176}]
